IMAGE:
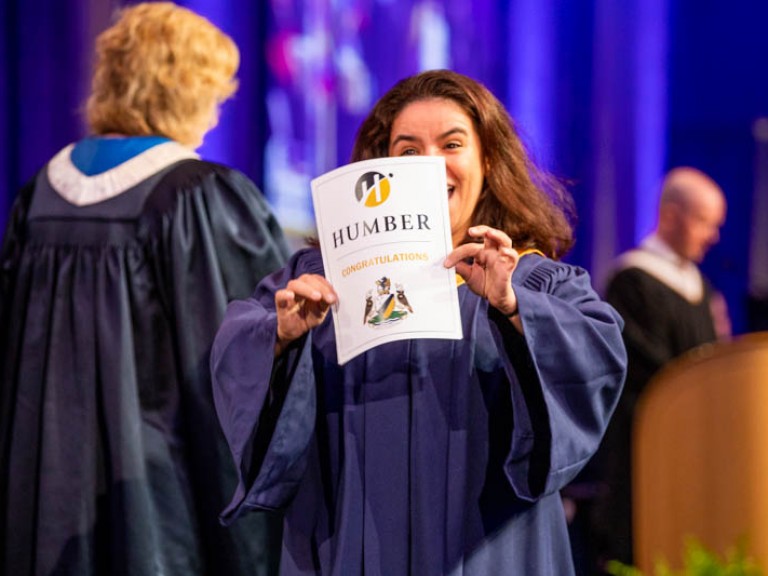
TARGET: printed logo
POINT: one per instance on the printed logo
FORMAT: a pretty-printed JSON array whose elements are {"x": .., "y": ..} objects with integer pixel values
[
  {"x": 383, "y": 307},
  {"x": 372, "y": 188}
]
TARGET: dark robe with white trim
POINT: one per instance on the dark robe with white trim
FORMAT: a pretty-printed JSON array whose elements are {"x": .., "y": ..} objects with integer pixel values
[
  {"x": 660, "y": 324},
  {"x": 112, "y": 460}
]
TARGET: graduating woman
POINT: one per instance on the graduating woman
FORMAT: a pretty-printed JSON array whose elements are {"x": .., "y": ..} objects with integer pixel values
[
  {"x": 429, "y": 457},
  {"x": 117, "y": 265}
]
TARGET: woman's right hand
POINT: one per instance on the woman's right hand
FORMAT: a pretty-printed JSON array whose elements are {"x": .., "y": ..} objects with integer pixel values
[{"x": 301, "y": 305}]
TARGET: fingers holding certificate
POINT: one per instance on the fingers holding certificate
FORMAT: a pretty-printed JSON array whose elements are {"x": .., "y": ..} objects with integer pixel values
[{"x": 301, "y": 305}]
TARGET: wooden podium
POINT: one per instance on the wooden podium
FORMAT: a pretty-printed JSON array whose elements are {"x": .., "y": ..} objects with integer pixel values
[{"x": 700, "y": 458}]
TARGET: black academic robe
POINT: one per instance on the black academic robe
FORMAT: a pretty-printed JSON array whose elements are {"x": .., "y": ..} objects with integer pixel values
[
  {"x": 112, "y": 459},
  {"x": 660, "y": 325}
]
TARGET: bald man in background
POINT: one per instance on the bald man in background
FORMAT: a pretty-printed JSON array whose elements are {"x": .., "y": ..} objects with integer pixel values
[{"x": 669, "y": 308}]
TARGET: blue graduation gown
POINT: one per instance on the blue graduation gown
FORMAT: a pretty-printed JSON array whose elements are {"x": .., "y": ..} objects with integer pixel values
[{"x": 424, "y": 457}]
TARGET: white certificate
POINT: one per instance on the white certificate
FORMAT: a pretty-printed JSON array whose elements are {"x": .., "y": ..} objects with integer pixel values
[{"x": 384, "y": 232}]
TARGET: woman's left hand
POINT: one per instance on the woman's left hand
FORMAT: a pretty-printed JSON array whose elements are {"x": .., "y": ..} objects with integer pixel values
[{"x": 487, "y": 267}]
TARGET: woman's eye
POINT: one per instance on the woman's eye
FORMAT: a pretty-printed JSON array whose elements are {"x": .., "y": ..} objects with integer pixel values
[
  {"x": 453, "y": 145},
  {"x": 409, "y": 152}
]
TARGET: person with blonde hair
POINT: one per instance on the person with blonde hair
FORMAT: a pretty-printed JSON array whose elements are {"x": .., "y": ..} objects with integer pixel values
[
  {"x": 116, "y": 267},
  {"x": 429, "y": 457}
]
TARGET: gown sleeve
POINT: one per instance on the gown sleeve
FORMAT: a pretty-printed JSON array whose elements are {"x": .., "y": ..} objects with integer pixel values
[
  {"x": 219, "y": 233},
  {"x": 567, "y": 373},
  {"x": 10, "y": 253},
  {"x": 269, "y": 451},
  {"x": 13, "y": 240},
  {"x": 218, "y": 238}
]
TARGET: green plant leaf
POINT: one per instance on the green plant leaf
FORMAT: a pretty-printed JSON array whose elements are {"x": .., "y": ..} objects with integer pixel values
[{"x": 699, "y": 561}]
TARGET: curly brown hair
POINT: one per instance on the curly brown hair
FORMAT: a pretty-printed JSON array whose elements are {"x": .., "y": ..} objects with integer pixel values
[
  {"x": 528, "y": 204},
  {"x": 161, "y": 70}
]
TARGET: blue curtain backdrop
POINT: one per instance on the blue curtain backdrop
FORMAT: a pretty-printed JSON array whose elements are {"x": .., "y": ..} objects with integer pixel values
[{"x": 607, "y": 94}]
